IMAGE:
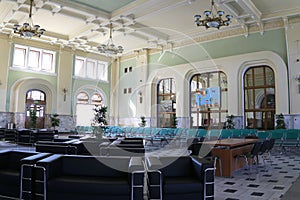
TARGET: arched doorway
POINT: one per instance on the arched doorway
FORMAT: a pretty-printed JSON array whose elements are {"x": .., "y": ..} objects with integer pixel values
[
  {"x": 36, "y": 103},
  {"x": 259, "y": 96}
]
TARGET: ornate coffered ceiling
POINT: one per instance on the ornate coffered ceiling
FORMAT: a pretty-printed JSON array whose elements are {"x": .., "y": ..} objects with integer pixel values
[{"x": 138, "y": 24}]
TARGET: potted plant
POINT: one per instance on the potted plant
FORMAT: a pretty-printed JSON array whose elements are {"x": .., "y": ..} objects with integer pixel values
[
  {"x": 99, "y": 122},
  {"x": 143, "y": 121},
  {"x": 55, "y": 121},
  {"x": 32, "y": 119},
  {"x": 174, "y": 121},
  {"x": 229, "y": 122},
  {"x": 280, "y": 124}
]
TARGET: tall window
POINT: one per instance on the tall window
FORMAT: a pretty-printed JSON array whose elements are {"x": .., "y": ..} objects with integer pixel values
[
  {"x": 166, "y": 103},
  {"x": 84, "y": 107},
  {"x": 259, "y": 96},
  {"x": 36, "y": 101},
  {"x": 208, "y": 99},
  {"x": 33, "y": 59},
  {"x": 91, "y": 69}
]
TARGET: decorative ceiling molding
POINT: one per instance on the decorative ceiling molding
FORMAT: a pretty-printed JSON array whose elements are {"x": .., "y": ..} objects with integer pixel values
[{"x": 143, "y": 23}]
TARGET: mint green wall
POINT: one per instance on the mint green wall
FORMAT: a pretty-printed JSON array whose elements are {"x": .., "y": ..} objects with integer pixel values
[
  {"x": 127, "y": 80},
  {"x": 78, "y": 83},
  {"x": 14, "y": 76},
  {"x": 273, "y": 40}
]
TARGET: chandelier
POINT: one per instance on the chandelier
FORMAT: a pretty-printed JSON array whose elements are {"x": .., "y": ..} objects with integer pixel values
[
  {"x": 213, "y": 18},
  {"x": 28, "y": 29},
  {"x": 110, "y": 49}
]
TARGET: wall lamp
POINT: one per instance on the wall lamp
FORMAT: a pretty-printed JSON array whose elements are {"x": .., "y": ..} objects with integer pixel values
[{"x": 65, "y": 93}]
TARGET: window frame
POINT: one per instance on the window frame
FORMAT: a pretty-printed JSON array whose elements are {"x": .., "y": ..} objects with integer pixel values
[
  {"x": 208, "y": 113},
  {"x": 26, "y": 59},
  {"x": 99, "y": 68}
]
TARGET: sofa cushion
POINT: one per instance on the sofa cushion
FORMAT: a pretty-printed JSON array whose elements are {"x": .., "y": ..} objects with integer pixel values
[
  {"x": 177, "y": 185},
  {"x": 86, "y": 185},
  {"x": 176, "y": 167},
  {"x": 95, "y": 166}
]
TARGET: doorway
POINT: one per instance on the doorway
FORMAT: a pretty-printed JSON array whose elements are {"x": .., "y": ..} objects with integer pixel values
[{"x": 35, "y": 103}]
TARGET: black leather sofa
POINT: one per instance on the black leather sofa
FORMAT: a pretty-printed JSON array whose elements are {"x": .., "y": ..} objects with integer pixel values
[
  {"x": 2, "y": 133},
  {"x": 60, "y": 146},
  {"x": 15, "y": 165},
  {"x": 90, "y": 147},
  {"x": 177, "y": 178},
  {"x": 10, "y": 135},
  {"x": 73, "y": 177},
  {"x": 124, "y": 147}
]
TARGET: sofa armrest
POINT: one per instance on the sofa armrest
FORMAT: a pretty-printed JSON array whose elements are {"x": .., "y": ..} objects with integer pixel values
[
  {"x": 206, "y": 172},
  {"x": 27, "y": 175},
  {"x": 137, "y": 169},
  {"x": 50, "y": 165},
  {"x": 136, "y": 164},
  {"x": 153, "y": 164},
  {"x": 34, "y": 158},
  {"x": 204, "y": 168}
]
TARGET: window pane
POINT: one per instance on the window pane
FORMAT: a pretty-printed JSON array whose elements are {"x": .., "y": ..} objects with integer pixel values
[
  {"x": 96, "y": 99},
  {"x": 248, "y": 78},
  {"x": 213, "y": 79},
  {"x": 270, "y": 79},
  {"x": 19, "y": 57},
  {"x": 83, "y": 98},
  {"x": 79, "y": 67},
  {"x": 34, "y": 59},
  {"x": 249, "y": 99},
  {"x": 102, "y": 71},
  {"x": 90, "y": 69},
  {"x": 47, "y": 62},
  {"x": 259, "y": 76}
]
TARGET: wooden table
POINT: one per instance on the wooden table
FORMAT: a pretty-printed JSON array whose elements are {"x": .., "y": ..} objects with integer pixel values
[{"x": 227, "y": 150}]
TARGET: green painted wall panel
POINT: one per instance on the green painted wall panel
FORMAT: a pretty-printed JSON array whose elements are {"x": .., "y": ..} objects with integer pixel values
[{"x": 273, "y": 40}]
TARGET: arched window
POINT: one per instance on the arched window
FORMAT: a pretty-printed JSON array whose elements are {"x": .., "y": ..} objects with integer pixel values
[
  {"x": 166, "y": 103},
  {"x": 208, "y": 99},
  {"x": 82, "y": 98},
  {"x": 259, "y": 96},
  {"x": 35, "y": 102},
  {"x": 96, "y": 99}
]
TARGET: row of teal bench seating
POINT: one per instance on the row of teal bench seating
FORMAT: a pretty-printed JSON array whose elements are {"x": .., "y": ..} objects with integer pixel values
[{"x": 278, "y": 134}]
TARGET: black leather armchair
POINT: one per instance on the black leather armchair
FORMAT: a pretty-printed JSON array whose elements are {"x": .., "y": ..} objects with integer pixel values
[
  {"x": 73, "y": 177},
  {"x": 45, "y": 135},
  {"x": 177, "y": 178},
  {"x": 15, "y": 168},
  {"x": 25, "y": 136}
]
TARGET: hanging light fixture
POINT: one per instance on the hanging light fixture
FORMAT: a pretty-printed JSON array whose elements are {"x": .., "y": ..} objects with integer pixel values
[
  {"x": 28, "y": 29},
  {"x": 110, "y": 49},
  {"x": 213, "y": 19}
]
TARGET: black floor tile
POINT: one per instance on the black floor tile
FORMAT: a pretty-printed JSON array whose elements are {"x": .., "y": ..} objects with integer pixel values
[
  {"x": 229, "y": 183},
  {"x": 272, "y": 181},
  {"x": 230, "y": 190},
  {"x": 278, "y": 188},
  {"x": 253, "y": 185},
  {"x": 257, "y": 194}
]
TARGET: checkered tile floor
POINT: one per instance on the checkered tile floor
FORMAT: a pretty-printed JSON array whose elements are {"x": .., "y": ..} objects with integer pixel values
[
  {"x": 269, "y": 182},
  {"x": 265, "y": 182}
]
